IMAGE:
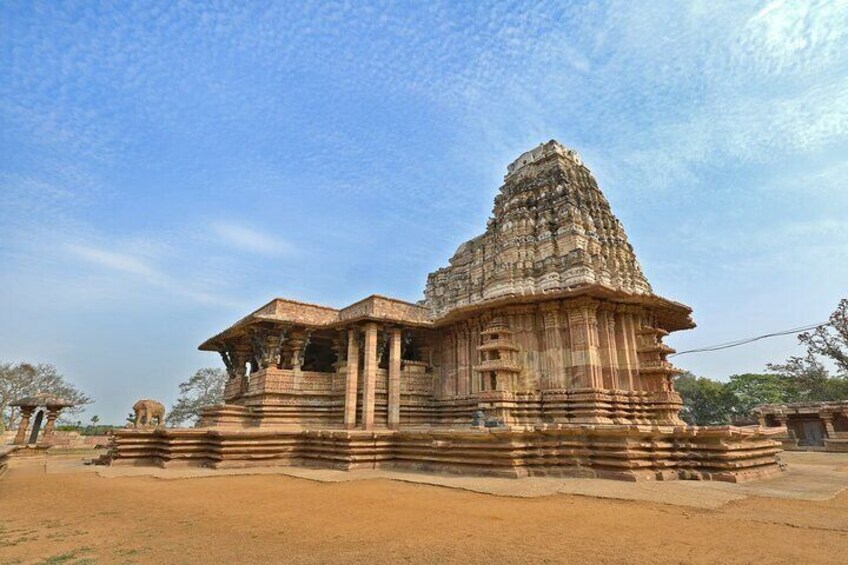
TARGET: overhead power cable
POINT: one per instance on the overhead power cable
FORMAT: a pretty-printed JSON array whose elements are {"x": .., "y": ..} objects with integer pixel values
[{"x": 745, "y": 341}]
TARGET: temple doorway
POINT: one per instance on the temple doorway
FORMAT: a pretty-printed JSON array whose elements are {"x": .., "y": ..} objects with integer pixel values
[{"x": 814, "y": 433}]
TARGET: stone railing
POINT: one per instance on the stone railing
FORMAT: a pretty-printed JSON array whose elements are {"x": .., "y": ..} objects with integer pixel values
[
  {"x": 233, "y": 388},
  {"x": 416, "y": 383},
  {"x": 383, "y": 308},
  {"x": 287, "y": 381}
]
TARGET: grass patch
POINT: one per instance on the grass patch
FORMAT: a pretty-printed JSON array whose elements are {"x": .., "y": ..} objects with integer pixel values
[{"x": 76, "y": 554}]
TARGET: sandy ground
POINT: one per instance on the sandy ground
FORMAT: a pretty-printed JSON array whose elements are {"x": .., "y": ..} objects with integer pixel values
[{"x": 55, "y": 510}]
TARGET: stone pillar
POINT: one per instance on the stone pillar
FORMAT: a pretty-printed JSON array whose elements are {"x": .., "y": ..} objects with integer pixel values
[
  {"x": 463, "y": 375},
  {"x": 827, "y": 420},
  {"x": 585, "y": 353},
  {"x": 26, "y": 413},
  {"x": 608, "y": 350},
  {"x": 369, "y": 376},
  {"x": 622, "y": 343},
  {"x": 52, "y": 414},
  {"x": 351, "y": 378},
  {"x": 783, "y": 421},
  {"x": 394, "y": 378},
  {"x": 448, "y": 364},
  {"x": 628, "y": 323},
  {"x": 552, "y": 359}
]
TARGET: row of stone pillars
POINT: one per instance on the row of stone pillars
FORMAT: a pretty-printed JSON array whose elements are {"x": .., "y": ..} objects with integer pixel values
[
  {"x": 26, "y": 414},
  {"x": 370, "y": 363},
  {"x": 783, "y": 420}
]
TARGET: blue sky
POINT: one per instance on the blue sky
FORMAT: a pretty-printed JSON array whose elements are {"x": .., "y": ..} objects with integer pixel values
[{"x": 166, "y": 167}]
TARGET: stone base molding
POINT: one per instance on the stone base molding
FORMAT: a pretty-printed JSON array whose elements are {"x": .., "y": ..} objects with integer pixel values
[{"x": 563, "y": 450}]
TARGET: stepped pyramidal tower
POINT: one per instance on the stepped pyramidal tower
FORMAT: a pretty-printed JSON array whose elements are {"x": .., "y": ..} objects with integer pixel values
[
  {"x": 551, "y": 230},
  {"x": 537, "y": 350}
]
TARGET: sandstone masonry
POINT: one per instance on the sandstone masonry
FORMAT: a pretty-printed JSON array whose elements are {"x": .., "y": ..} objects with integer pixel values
[{"x": 537, "y": 350}]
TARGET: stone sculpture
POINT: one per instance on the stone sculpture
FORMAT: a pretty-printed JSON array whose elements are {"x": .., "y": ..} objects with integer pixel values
[{"x": 146, "y": 411}]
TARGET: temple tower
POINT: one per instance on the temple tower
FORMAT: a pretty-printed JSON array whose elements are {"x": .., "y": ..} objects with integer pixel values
[{"x": 571, "y": 317}]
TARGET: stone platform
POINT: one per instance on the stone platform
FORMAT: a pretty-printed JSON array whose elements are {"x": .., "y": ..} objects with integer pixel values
[{"x": 726, "y": 453}]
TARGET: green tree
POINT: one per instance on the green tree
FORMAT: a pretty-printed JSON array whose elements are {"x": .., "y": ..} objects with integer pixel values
[
  {"x": 806, "y": 379},
  {"x": 705, "y": 401},
  {"x": 749, "y": 390},
  {"x": 204, "y": 388},
  {"x": 831, "y": 340}
]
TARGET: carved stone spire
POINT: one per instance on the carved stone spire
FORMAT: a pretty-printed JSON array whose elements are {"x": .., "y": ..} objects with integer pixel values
[{"x": 551, "y": 229}]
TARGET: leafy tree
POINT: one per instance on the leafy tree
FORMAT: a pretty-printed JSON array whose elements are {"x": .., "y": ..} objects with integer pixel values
[
  {"x": 798, "y": 379},
  {"x": 18, "y": 380},
  {"x": 204, "y": 388},
  {"x": 831, "y": 340},
  {"x": 705, "y": 401},
  {"x": 95, "y": 419},
  {"x": 747, "y": 391},
  {"x": 806, "y": 379}
]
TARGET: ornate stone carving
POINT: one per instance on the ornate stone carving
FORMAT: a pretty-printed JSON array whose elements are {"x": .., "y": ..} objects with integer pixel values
[{"x": 551, "y": 229}]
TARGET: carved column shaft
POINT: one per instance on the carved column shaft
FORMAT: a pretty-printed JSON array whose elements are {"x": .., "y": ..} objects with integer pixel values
[
  {"x": 829, "y": 430},
  {"x": 609, "y": 355},
  {"x": 394, "y": 378},
  {"x": 351, "y": 378},
  {"x": 52, "y": 414},
  {"x": 20, "y": 437},
  {"x": 463, "y": 374},
  {"x": 585, "y": 354},
  {"x": 626, "y": 338},
  {"x": 552, "y": 360},
  {"x": 369, "y": 376},
  {"x": 626, "y": 369}
]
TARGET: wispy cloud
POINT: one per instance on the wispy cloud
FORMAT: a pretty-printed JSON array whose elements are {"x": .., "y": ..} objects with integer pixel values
[
  {"x": 120, "y": 262},
  {"x": 251, "y": 240},
  {"x": 142, "y": 271}
]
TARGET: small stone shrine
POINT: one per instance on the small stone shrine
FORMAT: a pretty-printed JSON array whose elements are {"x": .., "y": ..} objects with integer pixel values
[
  {"x": 41, "y": 404},
  {"x": 808, "y": 426},
  {"x": 538, "y": 350}
]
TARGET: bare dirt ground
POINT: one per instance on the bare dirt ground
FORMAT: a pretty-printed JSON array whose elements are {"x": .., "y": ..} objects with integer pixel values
[{"x": 54, "y": 511}]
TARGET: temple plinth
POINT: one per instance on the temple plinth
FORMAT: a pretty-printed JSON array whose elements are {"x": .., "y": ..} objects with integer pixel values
[{"x": 545, "y": 324}]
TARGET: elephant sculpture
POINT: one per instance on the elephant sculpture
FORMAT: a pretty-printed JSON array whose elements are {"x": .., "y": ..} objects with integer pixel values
[{"x": 146, "y": 411}]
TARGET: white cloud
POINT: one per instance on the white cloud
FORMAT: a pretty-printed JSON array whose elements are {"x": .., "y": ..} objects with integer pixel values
[
  {"x": 143, "y": 272},
  {"x": 251, "y": 240},
  {"x": 120, "y": 262}
]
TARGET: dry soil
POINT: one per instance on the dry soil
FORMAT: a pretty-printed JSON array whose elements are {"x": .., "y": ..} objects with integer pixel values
[{"x": 80, "y": 517}]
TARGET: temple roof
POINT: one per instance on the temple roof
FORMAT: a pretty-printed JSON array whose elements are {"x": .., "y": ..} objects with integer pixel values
[
  {"x": 551, "y": 231},
  {"x": 552, "y": 235},
  {"x": 291, "y": 312},
  {"x": 42, "y": 399}
]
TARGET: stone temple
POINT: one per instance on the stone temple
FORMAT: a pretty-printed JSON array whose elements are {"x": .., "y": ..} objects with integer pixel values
[{"x": 538, "y": 350}]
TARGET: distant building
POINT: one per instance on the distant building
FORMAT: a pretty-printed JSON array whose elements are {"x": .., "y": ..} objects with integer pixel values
[{"x": 808, "y": 425}]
